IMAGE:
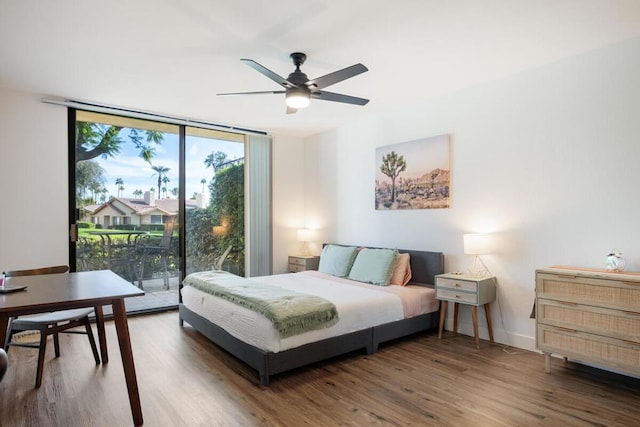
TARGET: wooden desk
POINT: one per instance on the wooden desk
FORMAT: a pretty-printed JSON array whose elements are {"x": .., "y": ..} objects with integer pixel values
[{"x": 53, "y": 292}]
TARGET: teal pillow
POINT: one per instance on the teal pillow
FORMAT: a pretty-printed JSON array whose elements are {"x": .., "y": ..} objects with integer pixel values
[
  {"x": 337, "y": 260},
  {"x": 374, "y": 266}
]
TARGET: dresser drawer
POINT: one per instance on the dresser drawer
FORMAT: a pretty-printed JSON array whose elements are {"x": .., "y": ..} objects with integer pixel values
[
  {"x": 601, "y": 321},
  {"x": 457, "y": 296},
  {"x": 597, "y": 349},
  {"x": 463, "y": 285},
  {"x": 607, "y": 293}
]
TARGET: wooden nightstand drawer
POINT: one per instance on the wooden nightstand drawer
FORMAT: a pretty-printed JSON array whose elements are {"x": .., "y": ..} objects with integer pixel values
[
  {"x": 295, "y": 268},
  {"x": 455, "y": 296},
  {"x": 303, "y": 263},
  {"x": 458, "y": 284},
  {"x": 297, "y": 260}
]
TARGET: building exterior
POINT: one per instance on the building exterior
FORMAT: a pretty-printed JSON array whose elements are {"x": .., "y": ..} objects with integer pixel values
[{"x": 130, "y": 211}]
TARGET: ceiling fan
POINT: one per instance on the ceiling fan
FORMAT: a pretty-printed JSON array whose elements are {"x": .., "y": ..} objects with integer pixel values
[{"x": 298, "y": 89}]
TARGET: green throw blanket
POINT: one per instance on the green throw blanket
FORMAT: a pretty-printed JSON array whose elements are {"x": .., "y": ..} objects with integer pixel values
[{"x": 290, "y": 312}]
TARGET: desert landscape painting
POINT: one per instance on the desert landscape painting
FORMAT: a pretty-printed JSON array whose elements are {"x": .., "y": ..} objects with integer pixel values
[{"x": 413, "y": 174}]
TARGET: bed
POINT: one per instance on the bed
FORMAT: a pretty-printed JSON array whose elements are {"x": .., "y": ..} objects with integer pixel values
[{"x": 226, "y": 324}]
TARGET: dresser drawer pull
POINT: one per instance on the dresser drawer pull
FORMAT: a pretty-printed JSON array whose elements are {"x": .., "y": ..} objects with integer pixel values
[
  {"x": 635, "y": 313},
  {"x": 567, "y": 303},
  {"x": 573, "y": 331}
]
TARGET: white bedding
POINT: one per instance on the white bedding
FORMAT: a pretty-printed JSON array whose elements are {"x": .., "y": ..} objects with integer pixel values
[{"x": 359, "y": 307}]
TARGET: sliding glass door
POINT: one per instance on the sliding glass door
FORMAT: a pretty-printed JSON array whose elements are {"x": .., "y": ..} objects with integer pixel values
[
  {"x": 155, "y": 201},
  {"x": 215, "y": 213}
]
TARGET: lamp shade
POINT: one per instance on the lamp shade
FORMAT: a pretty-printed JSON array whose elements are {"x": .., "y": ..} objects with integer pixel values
[
  {"x": 305, "y": 235},
  {"x": 477, "y": 244}
]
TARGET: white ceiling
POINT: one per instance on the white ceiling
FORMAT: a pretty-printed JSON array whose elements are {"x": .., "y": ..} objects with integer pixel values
[{"x": 174, "y": 56}]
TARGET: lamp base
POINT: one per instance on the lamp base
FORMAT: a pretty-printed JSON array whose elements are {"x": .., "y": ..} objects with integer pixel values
[
  {"x": 478, "y": 269},
  {"x": 305, "y": 250}
]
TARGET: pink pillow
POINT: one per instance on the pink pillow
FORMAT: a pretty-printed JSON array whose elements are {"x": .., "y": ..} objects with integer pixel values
[{"x": 402, "y": 271}]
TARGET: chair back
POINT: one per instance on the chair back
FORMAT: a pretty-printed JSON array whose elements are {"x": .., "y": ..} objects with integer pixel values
[
  {"x": 37, "y": 271},
  {"x": 220, "y": 262},
  {"x": 167, "y": 235}
]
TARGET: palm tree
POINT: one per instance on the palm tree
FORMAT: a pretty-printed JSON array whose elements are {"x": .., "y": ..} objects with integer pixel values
[
  {"x": 119, "y": 183},
  {"x": 161, "y": 171},
  {"x": 165, "y": 180},
  {"x": 137, "y": 193},
  {"x": 203, "y": 182},
  {"x": 174, "y": 191},
  {"x": 215, "y": 160}
]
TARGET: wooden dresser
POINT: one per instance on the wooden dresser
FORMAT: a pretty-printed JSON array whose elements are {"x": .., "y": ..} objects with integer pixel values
[{"x": 592, "y": 316}]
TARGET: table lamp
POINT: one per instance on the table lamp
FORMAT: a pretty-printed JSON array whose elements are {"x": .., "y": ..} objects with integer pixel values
[
  {"x": 476, "y": 245},
  {"x": 305, "y": 235}
]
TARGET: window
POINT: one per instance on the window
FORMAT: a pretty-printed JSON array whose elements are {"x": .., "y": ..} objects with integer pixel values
[{"x": 189, "y": 176}]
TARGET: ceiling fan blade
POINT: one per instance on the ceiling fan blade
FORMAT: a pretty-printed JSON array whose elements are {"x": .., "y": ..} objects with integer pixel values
[
  {"x": 338, "y": 97},
  {"x": 268, "y": 92},
  {"x": 267, "y": 72},
  {"x": 335, "y": 77},
  {"x": 291, "y": 110}
]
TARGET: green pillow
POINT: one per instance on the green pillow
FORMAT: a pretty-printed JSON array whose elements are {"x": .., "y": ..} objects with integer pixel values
[
  {"x": 337, "y": 260},
  {"x": 374, "y": 266}
]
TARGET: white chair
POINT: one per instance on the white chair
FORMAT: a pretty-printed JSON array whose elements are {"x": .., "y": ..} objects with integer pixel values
[
  {"x": 49, "y": 323},
  {"x": 220, "y": 261}
]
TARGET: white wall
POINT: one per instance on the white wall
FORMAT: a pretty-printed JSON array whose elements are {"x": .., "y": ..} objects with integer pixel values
[
  {"x": 33, "y": 182},
  {"x": 547, "y": 160},
  {"x": 288, "y": 198}
]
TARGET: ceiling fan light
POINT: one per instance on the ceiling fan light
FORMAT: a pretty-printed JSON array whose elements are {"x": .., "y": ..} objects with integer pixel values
[{"x": 297, "y": 98}]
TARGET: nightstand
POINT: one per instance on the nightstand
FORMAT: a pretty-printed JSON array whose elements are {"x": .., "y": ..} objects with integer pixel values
[
  {"x": 468, "y": 290},
  {"x": 303, "y": 263}
]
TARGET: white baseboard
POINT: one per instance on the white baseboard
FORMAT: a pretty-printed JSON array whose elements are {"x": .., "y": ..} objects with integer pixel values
[{"x": 500, "y": 335}]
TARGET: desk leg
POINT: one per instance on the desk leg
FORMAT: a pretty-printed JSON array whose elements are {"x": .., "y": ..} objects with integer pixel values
[
  {"x": 122, "y": 328},
  {"x": 487, "y": 313},
  {"x": 443, "y": 314},
  {"x": 102, "y": 338},
  {"x": 474, "y": 315},
  {"x": 455, "y": 317},
  {"x": 4, "y": 323}
]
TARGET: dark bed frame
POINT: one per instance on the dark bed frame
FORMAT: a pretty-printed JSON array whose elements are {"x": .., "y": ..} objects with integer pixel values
[{"x": 424, "y": 266}]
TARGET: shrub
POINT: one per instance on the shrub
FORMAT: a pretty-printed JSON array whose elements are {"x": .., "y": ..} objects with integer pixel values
[{"x": 86, "y": 224}]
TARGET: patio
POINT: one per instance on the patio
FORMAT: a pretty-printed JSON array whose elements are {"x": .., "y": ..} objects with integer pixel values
[{"x": 156, "y": 297}]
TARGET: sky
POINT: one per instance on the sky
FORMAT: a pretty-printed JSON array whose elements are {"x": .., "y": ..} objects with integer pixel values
[
  {"x": 422, "y": 156},
  {"x": 138, "y": 174}
]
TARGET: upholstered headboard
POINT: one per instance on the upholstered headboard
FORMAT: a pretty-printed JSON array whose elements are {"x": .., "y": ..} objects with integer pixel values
[{"x": 424, "y": 265}]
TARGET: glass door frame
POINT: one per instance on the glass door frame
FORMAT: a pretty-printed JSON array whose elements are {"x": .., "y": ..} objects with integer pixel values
[{"x": 74, "y": 212}]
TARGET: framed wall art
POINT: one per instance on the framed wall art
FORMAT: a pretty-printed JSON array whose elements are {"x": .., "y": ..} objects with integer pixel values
[{"x": 414, "y": 174}]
